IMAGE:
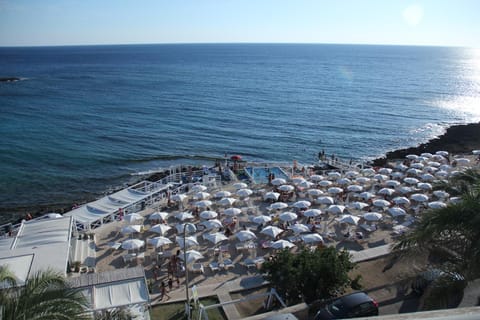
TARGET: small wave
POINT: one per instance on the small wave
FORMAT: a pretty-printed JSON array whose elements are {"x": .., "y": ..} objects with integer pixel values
[{"x": 174, "y": 157}]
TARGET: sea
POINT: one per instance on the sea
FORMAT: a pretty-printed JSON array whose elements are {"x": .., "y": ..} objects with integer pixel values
[{"x": 84, "y": 120}]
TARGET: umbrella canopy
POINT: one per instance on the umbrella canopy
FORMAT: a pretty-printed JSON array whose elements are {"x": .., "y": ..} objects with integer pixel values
[
  {"x": 315, "y": 192},
  {"x": 362, "y": 180},
  {"x": 244, "y": 192},
  {"x": 358, "y": 205},
  {"x": 336, "y": 208},
  {"x": 396, "y": 212},
  {"x": 305, "y": 184},
  {"x": 366, "y": 195},
  {"x": 348, "y": 218},
  {"x": 401, "y": 200},
  {"x": 386, "y": 191},
  {"x": 227, "y": 201},
  {"x": 334, "y": 175},
  {"x": 424, "y": 186},
  {"x": 325, "y": 183},
  {"x": 302, "y": 204},
  {"x": 271, "y": 196},
  {"x": 160, "y": 228},
  {"x": 53, "y": 215},
  {"x": 279, "y": 205},
  {"x": 405, "y": 190},
  {"x": 179, "y": 197},
  {"x": 212, "y": 224},
  {"x": 261, "y": 219},
  {"x": 131, "y": 229},
  {"x": 420, "y": 197},
  {"x": 203, "y": 203},
  {"x": 297, "y": 180},
  {"x": 386, "y": 171},
  {"x": 411, "y": 157},
  {"x": 286, "y": 188},
  {"x": 372, "y": 216},
  {"x": 441, "y": 194},
  {"x": 368, "y": 172},
  {"x": 288, "y": 216},
  {"x": 215, "y": 238},
  {"x": 182, "y": 216},
  {"x": 198, "y": 188},
  {"x": 380, "y": 177},
  {"x": 344, "y": 181},
  {"x": 271, "y": 231},
  {"x": 240, "y": 185},
  {"x": 351, "y": 174},
  {"x": 232, "y": 212},
  {"x": 312, "y": 212},
  {"x": 282, "y": 244},
  {"x": 316, "y": 177},
  {"x": 427, "y": 177},
  {"x": 192, "y": 256},
  {"x": 132, "y": 244},
  {"x": 312, "y": 238},
  {"x": 381, "y": 203},
  {"x": 414, "y": 171},
  {"x": 190, "y": 228},
  {"x": 133, "y": 217},
  {"x": 410, "y": 180},
  {"x": 437, "y": 204},
  {"x": 189, "y": 241},
  {"x": 208, "y": 214},
  {"x": 223, "y": 194},
  {"x": 245, "y": 235},
  {"x": 158, "y": 215},
  {"x": 392, "y": 183},
  {"x": 299, "y": 228},
  {"x": 335, "y": 190},
  {"x": 354, "y": 188},
  {"x": 325, "y": 200},
  {"x": 278, "y": 181},
  {"x": 462, "y": 161},
  {"x": 201, "y": 195},
  {"x": 157, "y": 242}
]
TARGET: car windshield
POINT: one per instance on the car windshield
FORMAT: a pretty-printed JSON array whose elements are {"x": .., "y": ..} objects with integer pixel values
[{"x": 337, "y": 308}]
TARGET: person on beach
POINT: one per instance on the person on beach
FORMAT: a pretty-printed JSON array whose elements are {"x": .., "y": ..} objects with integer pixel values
[{"x": 163, "y": 291}]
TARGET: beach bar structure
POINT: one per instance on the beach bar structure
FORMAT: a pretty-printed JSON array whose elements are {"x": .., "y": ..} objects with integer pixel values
[{"x": 111, "y": 207}]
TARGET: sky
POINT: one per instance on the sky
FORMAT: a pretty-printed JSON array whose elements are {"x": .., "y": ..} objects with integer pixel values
[{"x": 86, "y": 22}]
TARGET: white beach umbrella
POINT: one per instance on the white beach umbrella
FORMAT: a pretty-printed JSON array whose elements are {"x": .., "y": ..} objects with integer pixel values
[
  {"x": 336, "y": 208},
  {"x": 245, "y": 235},
  {"x": 278, "y": 181},
  {"x": 348, "y": 218},
  {"x": 430, "y": 169},
  {"x": 278, "y": 206},
  {"x": 441, "y": 194},
  {"x": 427, "y": 177},
  {"x": 203, "y": 203},
  {"x": 351, "y": 174},
  {"x": 312, "y": 213},
  {"x": 386, "y": 171},
  {"x": 414, "y": 172},
  {"x": 286, "y": 188},
  {"x": 366, "y": 195},
  {"x": 476, "y": 152},
  {"x": 462, "y": 161},
  {"x": 226, "y": 201},
  {"x": 392, "y": 183},
  {"x": 325, "y": 200},
  {"x": 357, "y": 205},
  {"x": 334, "y": 175},
  {"x": 315, "y": 192},
  {"x": 261, "y": 219},
  {"x": 442, "y": 153},
  {"x": 132, "y": 244},
  {"x": 192, "y": 256},
  {"x": 182, "y": 216},
  {"x": 305, "y": 184},
  {"x": 190, "y": 241},
  {"x": 298, "y": 228},
  {"x": 133, "y": 217},
  {"x": 396, "y": 212},
  {"x": 190, "y": 228},
  {"x": 401, "y": 167},
  {"x": 158, "y": 242},
  {"x": 426, "y": 155},
  {"x": 223, "y": 194},
  {"x": 419, "y": 197},
  {"x": 405, "y": 190},
  {"x": 381, "y": 203},
  {"x": 397, "y": 175},
  {"x": 131, "y": 229},
  {"x": 410, "y": 180},
  {"x": 316, "y": 177},
  {"x": 201, "y": 195},
  {"x": 282, "y": 244},
  {"x": 416, "y": 165},
  {"x": 325, "y": 183},
  {"x": 411, "y": 156},
  {"x": 288, "y": 216},
  {"x": 401, "y": 200},
  {"x": 244, "y": 193},
  {"x": 437, "y": 204},
  {"x": 335, "y": 190},
  {"x": 354, "y": 188},
  {"x": 455, "y": 199},
  {"x": 179, "y": 197},
  {"x": 158, "y": 215},
  {"x": 53, "y": 215},
  {"x": 240, "y": 185},
  {"x": 198, "y": 188},
  {"x": 312, "y": 238},
  {"x": 271, "y": 231},
  {"x": 302, "y": 204},
  {"x": 380, "y": 177},
  {"x": 435, "y": 164},
  {"x": 372, "y": 216},
  {"x": 424, "y": 186},
  {"x": 368, "y": 172},
  {"x": 271, "y": 196},
  {"x": 215, "y": 238},
  {"x": 362, "y": 180},
  {"x": 297, "y": 180},
  {"x": 160, "y": 228},
  {"x": 208, "y": 214},
  {"x": 386, "y": 191},
  {"x": 232, "y": 212},
  {"x": 442, "y": 174},
  {"x": 212, "y": 224}
]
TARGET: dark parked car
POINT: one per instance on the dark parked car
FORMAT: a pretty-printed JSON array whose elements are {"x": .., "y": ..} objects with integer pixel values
[{"x": 354, "y": 305}]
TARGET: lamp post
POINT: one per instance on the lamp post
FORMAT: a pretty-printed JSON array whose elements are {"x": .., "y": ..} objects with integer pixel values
[{"x": 188, "y": 224}]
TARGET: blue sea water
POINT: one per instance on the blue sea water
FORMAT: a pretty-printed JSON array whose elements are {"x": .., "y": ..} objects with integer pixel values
[{"x": 84, "y": 118}]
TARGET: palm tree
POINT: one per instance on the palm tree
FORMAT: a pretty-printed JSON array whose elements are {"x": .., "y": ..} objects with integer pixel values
[
  {"x": 45, "y": 295},
  {"x": 452, "y": 232}
]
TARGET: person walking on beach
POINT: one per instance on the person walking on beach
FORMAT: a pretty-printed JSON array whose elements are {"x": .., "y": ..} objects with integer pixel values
[{"x": 163, "y": 291}]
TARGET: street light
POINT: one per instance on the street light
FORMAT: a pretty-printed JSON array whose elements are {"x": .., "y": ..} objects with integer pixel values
[{"x": 191, "y": 225}]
